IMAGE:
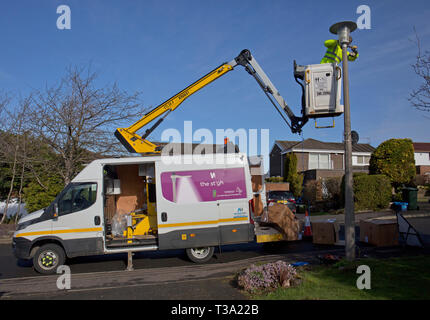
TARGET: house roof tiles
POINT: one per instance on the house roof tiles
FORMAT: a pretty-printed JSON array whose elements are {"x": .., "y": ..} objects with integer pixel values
[
  {"x": 313, "y": 144},
  {"x": 421, "y": 146}
]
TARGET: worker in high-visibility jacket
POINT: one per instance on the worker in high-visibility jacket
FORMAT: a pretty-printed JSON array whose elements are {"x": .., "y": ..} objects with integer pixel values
[{"x": 334, "y": 52}]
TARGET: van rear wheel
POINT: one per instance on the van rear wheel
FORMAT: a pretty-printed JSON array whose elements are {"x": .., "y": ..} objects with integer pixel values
[
  {"x": 200, "y": 255},
  {"x": 48, "y": 258}
]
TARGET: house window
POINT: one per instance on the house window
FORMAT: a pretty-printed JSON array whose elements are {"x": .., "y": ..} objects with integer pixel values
[
  {"x": 313, "y": 161},
  {"x": 319, "y": 161},
  {"x": 324, "y": 161},
  {"x": 360, "y": 160}
]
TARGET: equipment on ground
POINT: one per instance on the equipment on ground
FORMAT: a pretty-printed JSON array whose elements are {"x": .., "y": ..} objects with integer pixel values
[
  {"x": 408, "y": 234},
  {"x": 320, "y": 98}
]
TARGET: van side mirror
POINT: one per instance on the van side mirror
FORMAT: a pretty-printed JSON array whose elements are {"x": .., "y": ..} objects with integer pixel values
[{"x": 55, "y": 215}]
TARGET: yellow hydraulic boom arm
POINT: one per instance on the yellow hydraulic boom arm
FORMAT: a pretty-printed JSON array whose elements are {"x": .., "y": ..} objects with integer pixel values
[{"x": 138, "y": 144}]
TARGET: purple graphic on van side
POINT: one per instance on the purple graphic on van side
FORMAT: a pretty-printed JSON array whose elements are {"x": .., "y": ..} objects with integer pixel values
[{"x": 203, "y": 185}]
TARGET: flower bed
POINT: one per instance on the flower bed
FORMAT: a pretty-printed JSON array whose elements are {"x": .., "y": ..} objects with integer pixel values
[{"x": 266, "y": 277}]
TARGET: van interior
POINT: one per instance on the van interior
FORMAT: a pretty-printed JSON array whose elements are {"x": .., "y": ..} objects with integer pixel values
[{"x": 130, "y": 205}]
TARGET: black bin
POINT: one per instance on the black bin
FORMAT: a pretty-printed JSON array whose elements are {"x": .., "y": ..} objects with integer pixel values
[{"x": 410, "y": 195}]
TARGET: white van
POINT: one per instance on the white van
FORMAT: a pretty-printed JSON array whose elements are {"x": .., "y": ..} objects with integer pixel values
[{"x": 141, "y": 204}]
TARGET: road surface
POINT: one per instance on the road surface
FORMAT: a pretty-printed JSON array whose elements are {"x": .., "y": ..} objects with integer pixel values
[{"x": 169, "y": 274}]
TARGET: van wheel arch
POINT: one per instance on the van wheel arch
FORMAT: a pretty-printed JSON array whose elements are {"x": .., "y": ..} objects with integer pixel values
[{"x": 41, "y": 242}]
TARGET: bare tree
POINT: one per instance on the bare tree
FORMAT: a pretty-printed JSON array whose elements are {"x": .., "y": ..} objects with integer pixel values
[
  {"x": 420, "y": 98},
  {"x": 4, "y": 102},
  {"x": 23, "y": 157},
  {"x": 14, "y": 124},
  {"x": 77, "y": 119},
  {"x": 14, "y": 165}
]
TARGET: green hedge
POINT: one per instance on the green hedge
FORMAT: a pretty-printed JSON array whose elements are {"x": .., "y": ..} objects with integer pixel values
[
  {"x": 371, "y": 192},
  {"x": 275, "y": 179}
]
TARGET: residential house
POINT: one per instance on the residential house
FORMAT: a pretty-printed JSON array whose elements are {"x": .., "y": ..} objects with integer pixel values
[
  {"x": 422, "y": 158},
  {"x": 318, "y": 159}
]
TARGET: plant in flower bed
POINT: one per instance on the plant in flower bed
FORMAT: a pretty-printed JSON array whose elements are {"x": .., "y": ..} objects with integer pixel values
[{"x": 266, "y": 277}]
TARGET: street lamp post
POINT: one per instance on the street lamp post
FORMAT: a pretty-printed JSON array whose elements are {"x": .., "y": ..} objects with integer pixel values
[{"x": 343, "y": 30}]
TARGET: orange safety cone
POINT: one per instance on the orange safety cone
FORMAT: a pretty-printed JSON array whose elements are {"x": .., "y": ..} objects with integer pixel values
[{"x": 308, "y": 230}]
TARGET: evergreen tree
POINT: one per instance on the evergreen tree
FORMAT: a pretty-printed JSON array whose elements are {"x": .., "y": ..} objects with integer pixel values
[
  {"x": 395, "y": 159},
  {"x": 36, "y": 197},
  {"x": 292, "y": 176}
]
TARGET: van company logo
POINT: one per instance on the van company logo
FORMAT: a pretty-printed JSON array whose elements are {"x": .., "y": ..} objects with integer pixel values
[{"x": 239, "y": 213}]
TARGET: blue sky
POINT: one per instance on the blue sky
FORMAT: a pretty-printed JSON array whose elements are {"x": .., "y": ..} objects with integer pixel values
[{"x": 160, "y": 47}]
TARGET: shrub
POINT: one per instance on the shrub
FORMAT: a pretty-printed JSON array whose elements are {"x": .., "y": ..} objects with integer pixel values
[
  {"x": 274, "y": 179},
  {"x": 333, "y": 191},
  {"x": 312, "y": 192},
  {"x": 372, "y": 192},
  {"x": 398, "y": 196},
  {"x": 395, "y": 159},
  {"x": 267, "y": 276}
]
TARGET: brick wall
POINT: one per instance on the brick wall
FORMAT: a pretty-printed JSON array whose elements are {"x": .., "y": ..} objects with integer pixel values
[
  {"x": 302, "y": 161},
  {"x": 337, "y": 161},
  {"x": 421, "y": 170}
]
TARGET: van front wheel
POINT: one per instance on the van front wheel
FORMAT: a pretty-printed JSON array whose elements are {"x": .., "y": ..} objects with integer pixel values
[
  {"x": 200, "y": 255},
  {"x": 48, "y": 258}
]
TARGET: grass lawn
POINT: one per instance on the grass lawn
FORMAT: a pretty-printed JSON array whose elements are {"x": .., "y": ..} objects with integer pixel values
[{"x": 394, "y": 278}]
